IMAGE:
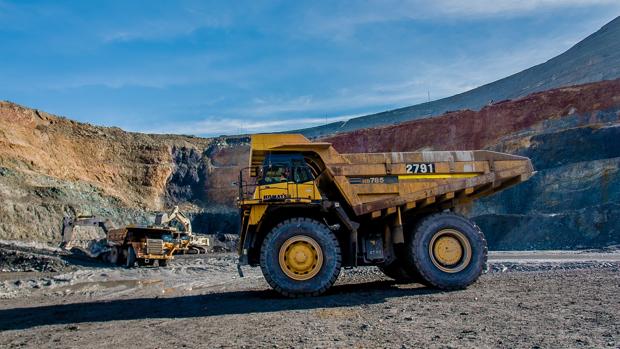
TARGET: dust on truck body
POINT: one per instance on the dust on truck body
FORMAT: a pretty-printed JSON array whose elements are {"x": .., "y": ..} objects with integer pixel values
[{"x": 306, "y": 211}]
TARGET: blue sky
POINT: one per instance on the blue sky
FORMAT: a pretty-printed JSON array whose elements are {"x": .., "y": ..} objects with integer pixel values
[{"x": 226, "y": 67}]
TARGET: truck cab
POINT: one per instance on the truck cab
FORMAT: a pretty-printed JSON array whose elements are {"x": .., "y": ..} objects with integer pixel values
[{"x": 285, "y": 177}]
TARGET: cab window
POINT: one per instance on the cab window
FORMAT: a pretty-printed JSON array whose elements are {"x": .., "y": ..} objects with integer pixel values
[
  {"x": 302, "y": 174},
  {"x": 279, "y": 168},
  {"x": 275, "y": 173}
]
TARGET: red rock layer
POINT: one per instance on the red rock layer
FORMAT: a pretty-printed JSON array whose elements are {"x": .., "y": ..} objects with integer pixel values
[{"x": 466, "y": 129}]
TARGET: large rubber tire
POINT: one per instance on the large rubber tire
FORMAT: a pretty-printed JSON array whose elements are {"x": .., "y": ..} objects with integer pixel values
[
  {"x": 192, "y": 250},
  {"x": 130, "y": 261},
  {"x": 114, "y": 255},
  {"x": 418, "y": 256},
  {"x": 278, "y": 279}
]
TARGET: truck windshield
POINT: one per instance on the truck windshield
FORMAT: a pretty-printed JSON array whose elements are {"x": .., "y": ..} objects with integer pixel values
[
  {"x": 275, "y": 173},
  {"x": 279, "y": 168}
]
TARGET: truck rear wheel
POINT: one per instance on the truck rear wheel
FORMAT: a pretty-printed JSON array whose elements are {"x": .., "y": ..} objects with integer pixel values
[
  {"x": 447, "y": 250},
  {"x": 300, "y": 257},
  {"x": 130, "y": 261},
  {"x": 114, "y": 255}
]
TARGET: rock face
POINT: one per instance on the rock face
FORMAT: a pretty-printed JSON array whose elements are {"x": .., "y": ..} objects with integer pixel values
[
  {"x": 572, "y": 136},
  {"x": 51, "y": 166},
  {"x": 593, "y": 59}
]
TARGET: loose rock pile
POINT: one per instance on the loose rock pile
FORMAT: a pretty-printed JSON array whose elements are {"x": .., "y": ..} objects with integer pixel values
[
  {"x": 19, "y": 261},
  {"x": 520, "y": 267}
]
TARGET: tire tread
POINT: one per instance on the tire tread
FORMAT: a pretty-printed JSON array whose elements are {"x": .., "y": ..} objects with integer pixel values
[{"x": 416, "y": 259}]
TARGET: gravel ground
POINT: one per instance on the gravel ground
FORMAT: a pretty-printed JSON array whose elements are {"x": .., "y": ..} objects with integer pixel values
[{"x": 199, "y": 301}]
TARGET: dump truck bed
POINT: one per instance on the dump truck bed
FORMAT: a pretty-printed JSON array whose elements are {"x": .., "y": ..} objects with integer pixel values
[{"x": 372, "y": 182}]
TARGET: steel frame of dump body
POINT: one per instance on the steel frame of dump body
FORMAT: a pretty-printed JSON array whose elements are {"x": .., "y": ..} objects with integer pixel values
[{"x": 457, "y": 176}]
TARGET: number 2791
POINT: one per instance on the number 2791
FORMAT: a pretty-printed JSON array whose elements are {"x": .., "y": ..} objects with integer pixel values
[{"x": 420, "y": 168}]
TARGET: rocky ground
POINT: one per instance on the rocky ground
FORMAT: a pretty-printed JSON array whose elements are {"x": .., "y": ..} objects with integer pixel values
[{"x": 527, "y": 299}]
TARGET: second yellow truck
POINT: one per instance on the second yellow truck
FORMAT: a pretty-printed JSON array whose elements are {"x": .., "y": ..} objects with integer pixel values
[{"x": 307, "y": 211}]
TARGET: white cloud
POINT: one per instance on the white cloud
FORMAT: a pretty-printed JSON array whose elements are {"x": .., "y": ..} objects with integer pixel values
[
  {"x": 218, "y": 126},
  {"x": 261, "y": 114},
  {"x": 155, "y": 73},
  {"x": 508, "y": 7},
  {"x": 170, "y": 25},
  {"x": 340, "y": 23},
  {"x": 373, "y": 96}
]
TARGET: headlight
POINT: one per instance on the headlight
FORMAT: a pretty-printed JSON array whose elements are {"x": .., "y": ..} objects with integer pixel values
[
  {"x": 167, "y": 237},
  {"x": 185, "y": 237}
]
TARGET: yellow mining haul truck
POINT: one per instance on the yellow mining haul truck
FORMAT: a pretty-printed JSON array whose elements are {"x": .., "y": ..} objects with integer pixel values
[
  {"x": 306, "y": 211},
  {"x": 128, "y": 245}
]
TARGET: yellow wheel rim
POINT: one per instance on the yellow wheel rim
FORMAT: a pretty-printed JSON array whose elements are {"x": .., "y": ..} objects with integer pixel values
[
  {"x": 450, "y": 250},
  {"x": 300, "y": 257}
]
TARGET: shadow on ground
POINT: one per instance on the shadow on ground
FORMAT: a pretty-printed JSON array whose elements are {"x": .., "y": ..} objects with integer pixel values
[
  {"x": 85, "y": 261},
  {"x": 212, "y": 304}
]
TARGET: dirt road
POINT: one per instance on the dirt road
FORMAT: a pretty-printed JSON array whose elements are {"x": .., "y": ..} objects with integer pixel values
[{"x": 527, "y": 299}]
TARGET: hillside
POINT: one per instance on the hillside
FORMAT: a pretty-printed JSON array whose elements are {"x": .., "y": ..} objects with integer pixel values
[
  {"x": 595, "y": 58},
  {"x": 51, "y": 166},
  {"x": 571, "y": 134}
]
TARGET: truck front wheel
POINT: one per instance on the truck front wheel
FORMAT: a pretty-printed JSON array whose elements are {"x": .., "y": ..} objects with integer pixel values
[
  {"x": 114, "y": 255},
  {"x": 300, "y": 257},
  {"x": 447, "y": 250}
]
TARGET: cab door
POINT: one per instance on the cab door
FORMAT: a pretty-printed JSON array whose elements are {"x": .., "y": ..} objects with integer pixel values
[{"x": 302, "y": 185}]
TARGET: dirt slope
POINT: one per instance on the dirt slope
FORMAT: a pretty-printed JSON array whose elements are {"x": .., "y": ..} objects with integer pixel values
[{"x": 51, "y": 166}]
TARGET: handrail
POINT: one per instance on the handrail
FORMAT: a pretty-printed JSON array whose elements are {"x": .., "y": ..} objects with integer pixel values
[{"x": 243, "y": 186}]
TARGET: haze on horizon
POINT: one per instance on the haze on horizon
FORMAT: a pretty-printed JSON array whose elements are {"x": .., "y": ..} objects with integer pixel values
[{"x": 210, "y": 68}]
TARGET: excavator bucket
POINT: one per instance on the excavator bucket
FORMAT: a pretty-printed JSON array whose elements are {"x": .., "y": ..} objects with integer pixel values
[{"x": 85, "y": 234}]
